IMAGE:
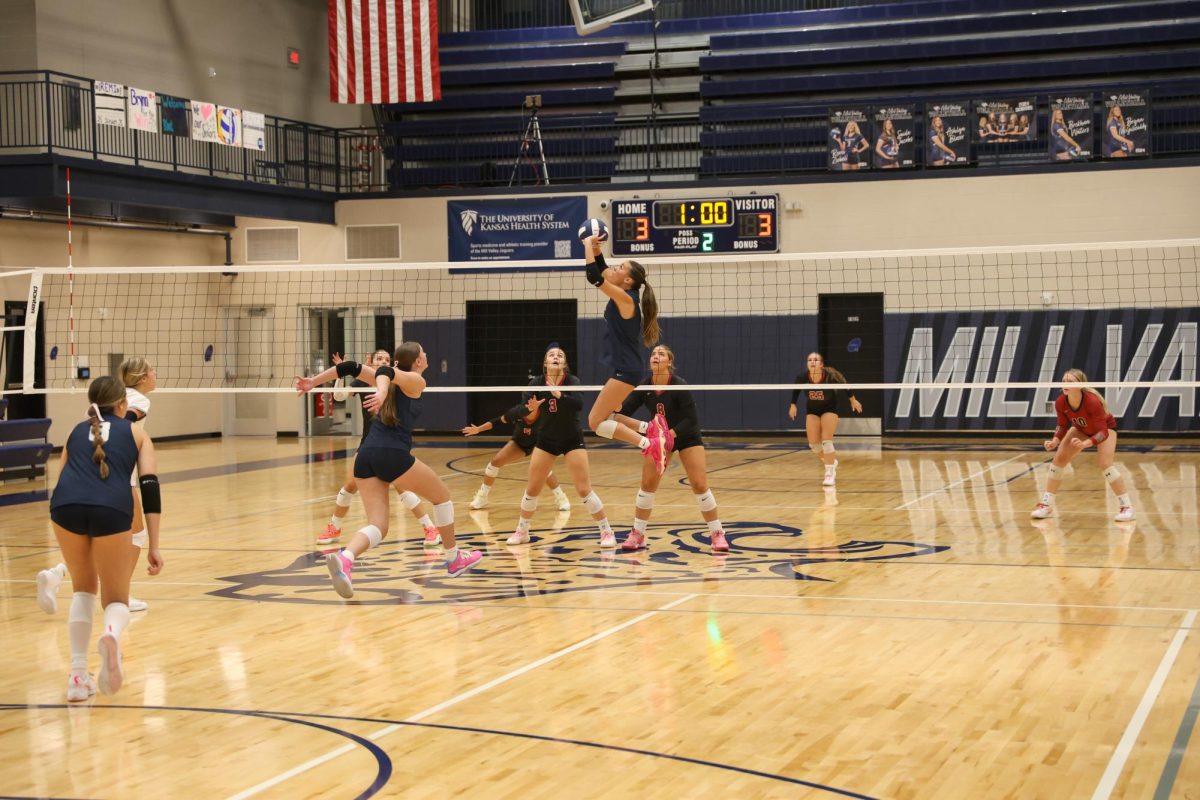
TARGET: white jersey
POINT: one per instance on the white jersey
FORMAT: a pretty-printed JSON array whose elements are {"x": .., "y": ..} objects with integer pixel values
[{"x": 137, "y": 402}]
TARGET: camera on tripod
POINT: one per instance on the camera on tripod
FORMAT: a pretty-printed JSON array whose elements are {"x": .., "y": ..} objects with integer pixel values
[{"x": 533, "y": 101}]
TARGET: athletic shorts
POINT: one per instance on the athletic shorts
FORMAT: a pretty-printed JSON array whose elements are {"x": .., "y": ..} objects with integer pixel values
[
  {"x": 526, "y": 443},
  {"x": 684, "y": 442},
  {"x": 385, "y": 463},
  {"x": 560, "y": 447},
  {"x": 94, "y": 521},
  {"x": 630, "y": 377}
]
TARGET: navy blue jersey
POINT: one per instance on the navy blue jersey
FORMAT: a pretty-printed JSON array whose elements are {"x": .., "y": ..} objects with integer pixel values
[
  {"x": 367, "y": 416},
  {"x": 80, "y": 482},
  {"x": 853, "y": 146},
  {"x": 935, "y": 153},
  {"x": 1112, "y": 130},
  {"x": 558, "y": 419},
  {"x": 1058, "y": 132},
  {"x": 398, "y": 436},
  {"x": 623, "y": 348},
  {"x": 678, "y": 407}
]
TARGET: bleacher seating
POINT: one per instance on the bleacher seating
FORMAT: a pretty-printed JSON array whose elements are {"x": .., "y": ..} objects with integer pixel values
[{"x": 24, "y": 450}]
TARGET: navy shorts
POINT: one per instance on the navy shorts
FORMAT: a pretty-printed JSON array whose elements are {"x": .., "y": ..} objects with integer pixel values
[
  {"x": 631, "y": 377},
  {"x": 385, "y": 463},
  {"x": 94, "y": 521},
  {"x": 560, "y": 447}
]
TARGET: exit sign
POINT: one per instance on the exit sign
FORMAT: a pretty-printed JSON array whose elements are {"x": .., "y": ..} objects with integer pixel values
[{"x": 293, "y": 57}]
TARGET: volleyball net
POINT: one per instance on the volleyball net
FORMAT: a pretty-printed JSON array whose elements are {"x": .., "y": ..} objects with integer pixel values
[{"x": 948, "y": 339}]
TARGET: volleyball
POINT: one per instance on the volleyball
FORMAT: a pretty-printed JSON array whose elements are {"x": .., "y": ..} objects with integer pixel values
[{"x": 594, "y": 227}]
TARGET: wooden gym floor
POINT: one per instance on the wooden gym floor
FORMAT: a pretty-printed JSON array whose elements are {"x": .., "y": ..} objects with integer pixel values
[{"x": 910, "y": 635}]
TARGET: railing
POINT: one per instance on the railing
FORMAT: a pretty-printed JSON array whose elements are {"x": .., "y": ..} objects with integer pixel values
[
  {"x": 49, "y": 112},
  {"x": 457, "y": 16}
]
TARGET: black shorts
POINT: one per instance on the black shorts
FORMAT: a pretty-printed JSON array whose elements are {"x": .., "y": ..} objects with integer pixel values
[
  {"x": 385, "y": 463},
  {"x": 526, "y": 443},
  {"x": 631, "y": 377},
  {"x": 94, "y": 521},
  {"x": 684, "y": 442},
  {"x": 560, "y": 447},
  {"x": 817, "y": 408}
]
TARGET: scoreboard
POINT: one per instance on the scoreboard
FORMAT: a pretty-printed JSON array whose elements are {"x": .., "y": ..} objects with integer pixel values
[{"x": 741, "y": 224}]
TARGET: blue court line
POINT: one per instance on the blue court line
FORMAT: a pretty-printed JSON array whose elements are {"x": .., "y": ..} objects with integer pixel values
[
  {"x": 1179, "y": 747},
  {"x": 285, "y": 716}
]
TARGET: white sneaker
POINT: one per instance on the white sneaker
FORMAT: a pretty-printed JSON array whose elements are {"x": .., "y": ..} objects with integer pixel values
[
  {"x": 137, "y": 605},
  {"x": 1125, "y": 514},
  {"x": 1042, "y": 511},
  {"x": 830, "y": 475},
  {"x": 608, "y": 539},
  {"x": 48, "y": 581},
  {"x": 564, "y": 502},
  {"x": 80, "y": 687},
  {"x": 479, "y": 502},
  {"x": 518, "y": 537},
  {"x": 111, "y": 676}
]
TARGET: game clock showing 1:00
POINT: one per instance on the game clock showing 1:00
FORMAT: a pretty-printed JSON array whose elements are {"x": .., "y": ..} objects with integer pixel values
[{"x": 744, "y": 224}]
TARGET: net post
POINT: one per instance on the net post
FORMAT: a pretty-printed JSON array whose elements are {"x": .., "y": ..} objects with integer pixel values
[{"x": 31, "y": 318}]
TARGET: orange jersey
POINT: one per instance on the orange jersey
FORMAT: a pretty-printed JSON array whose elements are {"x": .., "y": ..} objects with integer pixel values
[{"x": 1090, "y": 419}]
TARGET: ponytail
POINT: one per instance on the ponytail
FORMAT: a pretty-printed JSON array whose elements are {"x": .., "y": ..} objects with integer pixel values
[
  {"x": 834, "y": 375},
  {"x": 105, "y": 394},
  {"x": 651, "y": 333},
  {"x": 97, "y": 441}
]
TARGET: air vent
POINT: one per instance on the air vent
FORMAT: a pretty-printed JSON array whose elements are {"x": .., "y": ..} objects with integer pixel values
[
  {"x": 272, "y": 245},
  {"x": 372, "y": 242}
]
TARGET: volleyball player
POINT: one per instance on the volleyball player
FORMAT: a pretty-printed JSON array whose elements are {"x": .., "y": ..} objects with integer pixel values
[
  {"x": 519, "y": 446},
  {"x": 1116, "y": 143},
  {"x": 140, "y": 379},
  {"x": 386, "y": 458},
  {"x": 938, "y": 150},
  {"x": 558, "y": 433},
  {"x": 821, "y": 411},
  {"x": 855, "y": 144},
  {"x": 1062, "y": 145},
  {"x": 679, "y": 410},
  {"x": 91, "y": 511},
  {"x": 887, "y": 147},
  {"x": 345, "y": 495},
  {"x": 1083, "y": 421},
  {"x": 630, "y": 327}
]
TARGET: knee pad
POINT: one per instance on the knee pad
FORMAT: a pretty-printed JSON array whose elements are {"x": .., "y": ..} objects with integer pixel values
[
  {"x": 373, "y": 534},
  {"x": 528, "y": 503},
  {"x": 1112, "y": 473},
  {"x": 410, "y": 500},
  {"x": 592, "y": 502},
  {"x": 706, "y": 500},
  {"x": 344, "y": 498},
  {"x": 491, "y": 470},
  {"x": 645, "y": 500},
  {"x": 1054, "y": 472},
  {"x": 443, "y": 514},
  {"x": 816, "y": 448},
  {"x": 141, "y": 539},
  {"x": 827, "y": 446},
  {"x": 607, "y": 429}
]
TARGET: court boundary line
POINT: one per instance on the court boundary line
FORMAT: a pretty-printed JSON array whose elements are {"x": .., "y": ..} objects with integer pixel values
[
  {"x": 459, "y": 698},
  {"x": 1116, "y": 764},
  {"x": 1170, "y": 771},
  {"x": 959, "y": 482}
]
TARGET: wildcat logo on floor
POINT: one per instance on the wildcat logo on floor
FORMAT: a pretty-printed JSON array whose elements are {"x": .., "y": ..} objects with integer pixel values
[{"x": 565, "y": 560}]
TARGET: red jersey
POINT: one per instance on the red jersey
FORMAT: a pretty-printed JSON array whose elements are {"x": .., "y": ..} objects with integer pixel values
[{"x": 1089, "y": 419}]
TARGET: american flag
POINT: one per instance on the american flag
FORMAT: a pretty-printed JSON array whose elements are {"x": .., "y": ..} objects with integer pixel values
[{"x": 383, "y": 51}]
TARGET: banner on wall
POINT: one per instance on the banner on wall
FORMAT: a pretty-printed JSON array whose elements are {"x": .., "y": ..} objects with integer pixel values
[
  {"x": 946, "y": 126},
  {"x": 895, "y": 140},
  {"x": 110, "y": 103},
  {"x": 1126, "y": 124},
  {"x": 516, "y": 229},
  {"x": 849, "y": 139},
  {"x": 174, "y": 115},
  {"x": 1005, "y": 121},
  {"x": 254, "y": 135},
  {"x": 1070, "y": 128},
  {"x": 229, "y": 126},
  {"x": 204, "y": 121},
  {"x": 1115, "y": 344},
  {"x": 142, "y": 110}
]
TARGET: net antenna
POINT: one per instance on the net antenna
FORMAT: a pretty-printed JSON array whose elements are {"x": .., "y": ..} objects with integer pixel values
[{"x": 596, "y": 15}]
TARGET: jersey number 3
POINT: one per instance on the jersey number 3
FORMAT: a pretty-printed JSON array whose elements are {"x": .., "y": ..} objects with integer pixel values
[{"x": 553, "y": 405}]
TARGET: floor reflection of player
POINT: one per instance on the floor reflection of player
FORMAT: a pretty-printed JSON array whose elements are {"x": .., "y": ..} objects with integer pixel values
[
  {"x": 939, "y": 151},
  {"x": 887, "y": 147},
  {"x": 1065, "y": 148},
  {"x": 1116, "y": 145}
]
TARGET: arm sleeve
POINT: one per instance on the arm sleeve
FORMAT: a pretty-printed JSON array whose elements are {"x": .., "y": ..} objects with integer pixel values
[
  {"x": 595, "y": 271},
  {"x": 349, "y": 369},
  {"x": 796, "y": 392},
  {"x": 388, "y": 371},
  {"x": 689, "y": 419}
]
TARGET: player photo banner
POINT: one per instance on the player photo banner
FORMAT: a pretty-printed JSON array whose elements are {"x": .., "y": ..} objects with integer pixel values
[
  {"x": 110, "y": 103},
  {"x": 849, "y": 139},
  {"x": 1005, "y": 121},
  {"x": 1070, "y": 128},
  {"x": 1126, "y": 124},
  {"x": 895, "y": 138},
  {"x": 534, "y": 229},
  {"x": 946, "y": 126},
  {"x": 173, "y": 114}
]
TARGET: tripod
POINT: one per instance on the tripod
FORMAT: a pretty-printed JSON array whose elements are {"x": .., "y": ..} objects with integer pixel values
[{"x": 532, "y": 135}]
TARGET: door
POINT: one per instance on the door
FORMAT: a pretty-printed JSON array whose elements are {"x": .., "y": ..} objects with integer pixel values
[
  {"x": 249, "y": 362},
  {"x": 354, "y": 333},
  {"x": 12, "y": 356},
  {"x": 850, "y": 336},
  {"x": 506, "y": 341}
]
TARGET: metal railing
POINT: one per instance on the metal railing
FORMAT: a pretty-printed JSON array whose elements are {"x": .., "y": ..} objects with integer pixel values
[{"x": 50, "y": 112}]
